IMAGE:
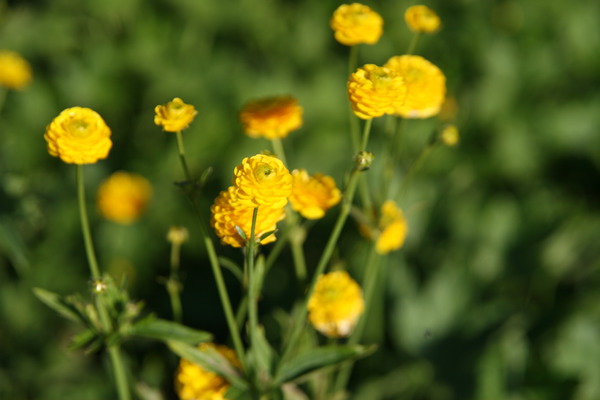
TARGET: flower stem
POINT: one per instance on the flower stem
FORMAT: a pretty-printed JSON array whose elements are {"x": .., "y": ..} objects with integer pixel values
[
  {"x": 252, "y": 288},
  {"x": 365, "y": 194},
  {"x": 353, "y": 119},
  {"x": 278, "y": 150},
  {"x": 413, "y": 43},
  {"x": 173, "y": 283},
  {"x": 85, "y": 226},
  {"x": 181, "y": 151}
]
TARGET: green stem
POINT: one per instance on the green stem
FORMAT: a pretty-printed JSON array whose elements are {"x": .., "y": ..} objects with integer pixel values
[
  {"x": 181, "y": 151},
  {"x": 116, "y": 359},
  {"x": 278, "y": 150},
  {"x": 413, "y": 43},
  {"x": 174, "y": 285},
  {"x": 298, "y": 255},
  {"x": 365, "y": 194},
  {"x": 252, "y": 289},
  {"x": 353, "y": 119},
  {"x": 414, "y": 168},
  {"x": 85, "y": 226}
]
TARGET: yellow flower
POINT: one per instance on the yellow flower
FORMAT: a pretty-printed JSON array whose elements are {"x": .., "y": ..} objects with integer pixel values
[
  {"x": 421, "y": 18},
  {"x": 262, "y": 180},
  {"x": 177, "y": 235},
  {"x": 123, "y": 197},
  {"x": 336, "y": 304},
  {"x": 228, "y": 212},
  {"x": 174, "y": 116},
  {"x": 355, "y": 24},
  {"x": 15, "y": 71},
  {"x": 392, "y": 227},
  {"x": 313, "y": 195},
  {"x": 78, "y": 136},
  {"x": 195, "y": 383},
  {"x": 425, "y": 83},
  {"x": 449, "y": 135},
  {"x": 271, "y": 117},
  {"x": 374, "y": 91}
]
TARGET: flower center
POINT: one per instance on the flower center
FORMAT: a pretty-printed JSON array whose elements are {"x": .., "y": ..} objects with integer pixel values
[
  {"x": 264, "y": 172},
  {"x": 79, "y": 128}
]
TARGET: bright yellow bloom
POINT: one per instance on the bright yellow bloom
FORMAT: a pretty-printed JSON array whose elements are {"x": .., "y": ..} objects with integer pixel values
[
  {"x": 449, "y": 135},
  {"x": 195, "y": 383},
  {"x": 78, "y": 136},
  {"x": 313, "y": 195},
  {"x": 271, "y": 117},
  {"x": 355, "y": 24},
  {"x": 336, "y": 304},
  {"x": 421, "y": 18},
  {"x": 15, "y": 71},
  {"x": 262, "y": 180},
  {"x": 123, "y": 197},
  {"x": 392, "y": 227},
  {"x": 174, "y": 116},
  {"x": 425, "y": 83},
  {"x": 374, "y": 91},
  {"x": 228, "y": 212}
]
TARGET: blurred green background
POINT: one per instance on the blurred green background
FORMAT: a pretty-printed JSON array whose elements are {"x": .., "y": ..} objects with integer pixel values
[{"x": 495, "y": 294}]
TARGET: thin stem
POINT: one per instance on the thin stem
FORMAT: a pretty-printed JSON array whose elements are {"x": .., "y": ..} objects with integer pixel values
[
  {"x": 365, "y": 194},
  {"x": 278, "y": 150},
  {"x": 181, "y": 151},
  {"x": 85, "y": 226},
  {"x": 116, "y": 359},
  {"x": 173, "y": 283},
  {"x": 413, "y": 43},
  {"x": 353, "y": 119},
  {"x": 252, "y": 288},
  {"x": 296, "y": 243}
]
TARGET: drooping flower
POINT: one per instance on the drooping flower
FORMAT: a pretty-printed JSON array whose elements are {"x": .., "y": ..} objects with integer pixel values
[
  {"x": 313, "y": 195},
  {"x": 271, "y": 117},
  {"x": 355, "y": 24},
  {"x": 262, "y": 180},
  {"x": 449, "y": 135},
  {"x": 421, "y": 18},
  {"x": 374, "y": 91},
  {"x": 425, "y": 83},
  {"x": 392, "y": 228},
  {"x": 228, "y": 213},
  {"x": 123, "y": 197},
  {"x": 336, "y": 304},
  {"x": 78, "y": 136},
  {"x": 15, "y": 71},
  {"x": 174, "y": 116}
]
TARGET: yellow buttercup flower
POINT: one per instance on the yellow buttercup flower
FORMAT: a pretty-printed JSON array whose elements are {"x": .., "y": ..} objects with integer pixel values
[
  {"x": 174, "y": 116},
  {"x": 374, "y": 91},
  {"x": 336, "y": 304},
  {"x": 449, "y": 135},
  {"x": 123, "y": 197},
  {"x": 78, "y": 136},
  {"x": 425, "y": 83},
  {"x": 313, "y": 195},
  {"x": 15, "y": 71},
  {"x": 392, "y": 228},
  {"x": 355, "y": 24},
  {"x": 271, "y": 117},
  {"x": 421, "y": 18},
  {"x": 262, "y": 180},
  {"x": 228, "y": 213}
]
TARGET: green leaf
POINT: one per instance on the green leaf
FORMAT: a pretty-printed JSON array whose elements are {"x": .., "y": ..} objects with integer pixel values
[
  {"x": 83, "y": 339},
  {"x": 155, "y": 328},
  {"x": 262, "y": 354},
  {"x": 259, "y": 275},
  {"x": 236, "y": 393},
  {"x": 59, "y": 304}
]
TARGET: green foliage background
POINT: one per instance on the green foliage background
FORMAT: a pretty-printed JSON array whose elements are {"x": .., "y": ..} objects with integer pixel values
[{"x": 495, "y": 294}]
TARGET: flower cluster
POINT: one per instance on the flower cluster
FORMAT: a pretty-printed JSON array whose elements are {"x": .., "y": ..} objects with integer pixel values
[
  {"x": 313, "y": 195},
  {"x": 421, "y": 18},
  {"x": 123, "y": 197},
  {"x": 271, "y": 117},
  {"x": 15, "y": 71},
  {"x": 355, "y": 24},
  {"x": 174, "y": 116}
]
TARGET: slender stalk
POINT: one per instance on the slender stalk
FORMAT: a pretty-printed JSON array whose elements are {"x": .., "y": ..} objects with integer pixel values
[
  {"x": 353, "y": 120},
  {"x": 173, "y": 283},
  {"x": 413, "y": 43},
  {"x": 296, "y": 243},
  {"x": 181, "y": 151},
  {"x": 252, "y": 288},
  {"x": 278, "y": 150},
  {"x": 365, "y": 194}
]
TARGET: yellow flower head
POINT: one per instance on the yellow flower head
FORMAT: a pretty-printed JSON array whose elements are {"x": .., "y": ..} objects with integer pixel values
[
  {"x": 335, "y": 305},
  {"x": 374, "y": 91},
  {"x": 421, "y": 18},
  {"x": 262, "y": 180},
  {"x": 195, "y": 383},
  {"x": 393, "y": 228},
  {"x": 174, "y": 116},
  {"x": 449, "y": 135},
  {"x": 15, "y": 71},
  {"x": 425, "y": 83},
  {"x": 313, "y": 195},
  {"x": 228, "y": 212},
  {"x": 177, "y": 235},
  {"x": 78, "y": 136},
  {"x": 123, "y": 197},
  {"x": 355, "y": 24},
  {"x": 271, "y": 117}
]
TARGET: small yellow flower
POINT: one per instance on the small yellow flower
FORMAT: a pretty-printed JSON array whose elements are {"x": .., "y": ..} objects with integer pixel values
[
  {"x": 374, "y": 91},
  {"x": 228, "y": 212},
  {"x": 392, "y": 227},
  {"x": 421, "y": 18},
  {"x": 449, "y": 135},
  {"x": 425, "y": 83},
  {"x": 15, "y": 71},
  {"x": 262, "y": 180},
  {"x": 123, "y": 197},
  {"x": 177, "y": 235},
  {"x": 271, "y": 117},
  {"x": 174, "y": 116},
  {"x": 355, "y": 24},
  {"x": 78, "y": 136},
  {"x": 313, "y": 195},
  {"x": 195, "y": 383},
  {"x": 336, "y": 304}
]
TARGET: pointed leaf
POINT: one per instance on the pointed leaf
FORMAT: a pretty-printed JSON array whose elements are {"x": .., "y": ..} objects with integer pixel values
[
  {"x": 58, "y": 304},
  {"x": 262, "y": 353},
  {"x": 236, "y": 393},
  {"x": 83, "y": 339},
  {"x": 161, "y": 329}
]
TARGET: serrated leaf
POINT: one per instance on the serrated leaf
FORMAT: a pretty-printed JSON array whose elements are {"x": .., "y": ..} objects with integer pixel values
[
  {"x": 161, "y": 329},
  {"x": 59, "y": 304}
]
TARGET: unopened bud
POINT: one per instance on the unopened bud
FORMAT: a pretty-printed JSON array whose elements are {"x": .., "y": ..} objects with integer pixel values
[
  {"x": 177, "y": 235},
  {"x": 364, "y": 160}
]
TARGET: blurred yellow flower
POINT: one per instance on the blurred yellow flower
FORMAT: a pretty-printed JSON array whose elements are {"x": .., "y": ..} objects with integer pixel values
[
  {"x": 336, "y": 304},
  {"x": 15, "y": 71},
  {"x": 425, "y": 83},
  {"x": 271, "y": 117},
  {"x": 177, "y": 235},
  {"x": 195, "y": 383},
  {"x": 374, "y": 91},
  {"x": 313, "y": 195},
  {"x": 228, "y": 212},
  {"x": 449, "y": 135},
  {"x": 392, "y": 227},
  {"x": 123, "y": 197},
  {"x": 174, "y": 116},
  {"x": 78, "y": 136},
  {"x": 262, "y": 180},
  {"x": 421, "y": 18},
  {"x": 355, "y": 24}
]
